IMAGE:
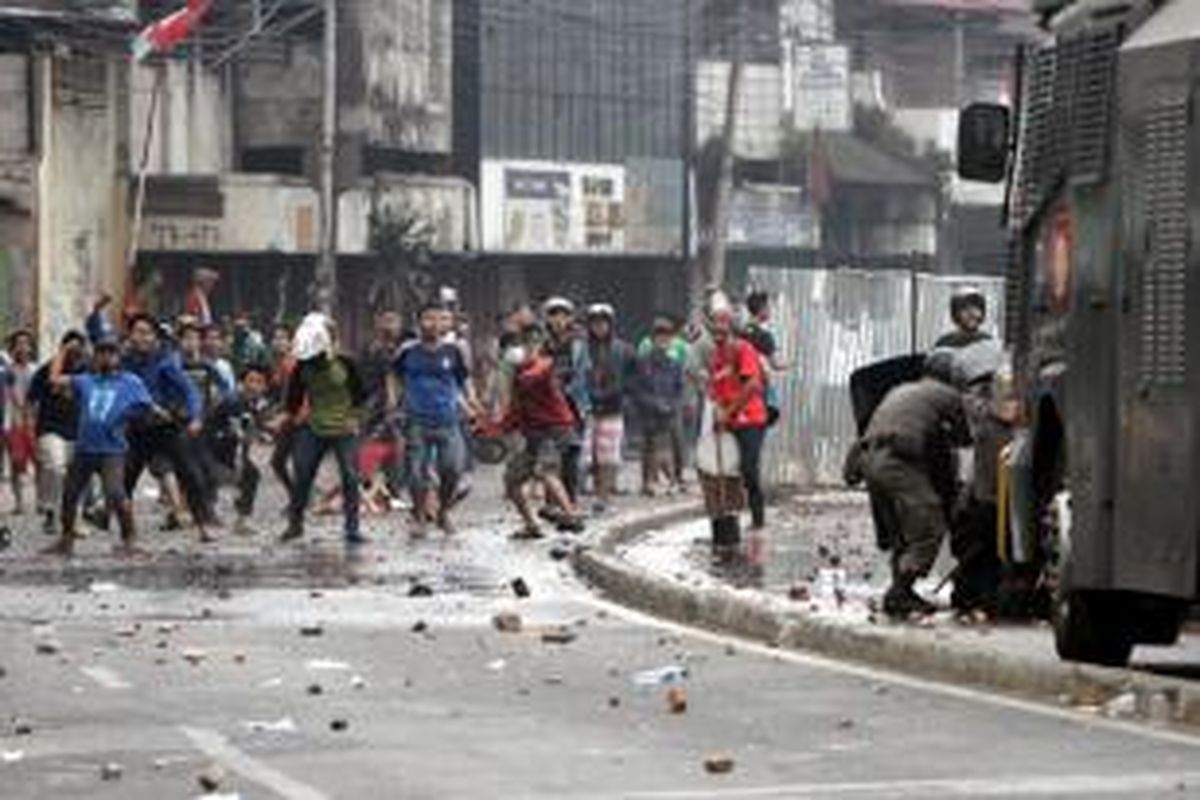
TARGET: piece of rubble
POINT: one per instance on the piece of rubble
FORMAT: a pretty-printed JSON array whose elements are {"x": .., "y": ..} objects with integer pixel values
[
  {"x": 845, "y": 724},
  {"x": 730, "y": 650},
  {"x": 127, "y": 631},
  {"x": 718, "y": 764},
  {"x": 507, "y": 622},
  {"x": 339, "y": 725},
  {"x": 614, "y": 702},
  {"x": 799, "y": 593},
  {"x": 48, "y": 647},
  {"x": 194, "y": 655},
  {"x": 312, "y": 631},
  {"x": 553, "y": 680},
  {"x": 520, "y": 588},
  {"x": 358, "y": 682},
  {"x": 22, "y": 728},
  {"x": 112, "y": 771},
  {"x": 315, "y": 689},
  {"x": 677, "y": 701},
  {"x": 211, "y": 778},
  {"x": 559, "y": 635},
  {"x": 420, "y": 626},
  {"x": 224, "y": 593},
  {"x": 1122, "y": 706},
  {"x": 420, "y": 590},
  {"x": 239, "y": 658},
  {"x": 560, "y": 553}
]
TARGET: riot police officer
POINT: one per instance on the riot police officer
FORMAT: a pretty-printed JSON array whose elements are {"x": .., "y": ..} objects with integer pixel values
[{"x": 907, "y": 459}]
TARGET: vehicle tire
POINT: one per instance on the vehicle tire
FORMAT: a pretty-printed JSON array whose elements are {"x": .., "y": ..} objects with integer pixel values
[
  {"x": 1158, "y": 620},
  {"x": 490, "y": 451},
  {"x": 1089, "y": 627}
]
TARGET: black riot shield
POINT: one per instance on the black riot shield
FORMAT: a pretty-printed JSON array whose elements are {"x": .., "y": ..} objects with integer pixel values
[{"x": 870, "y": 384}]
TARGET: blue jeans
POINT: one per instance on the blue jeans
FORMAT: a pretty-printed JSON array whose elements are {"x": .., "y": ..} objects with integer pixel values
[
  {"x": 434, "y": 451},
  {"x": 750, "y": 444},
  {"x": 308, "y": 449}
]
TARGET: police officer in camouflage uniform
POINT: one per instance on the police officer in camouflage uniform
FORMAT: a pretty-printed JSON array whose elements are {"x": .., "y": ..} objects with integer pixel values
[{"x": 907, "y": 459}]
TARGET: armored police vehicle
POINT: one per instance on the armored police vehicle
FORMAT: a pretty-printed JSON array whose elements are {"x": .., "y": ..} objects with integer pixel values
[{"x": 1102, "y": 162}]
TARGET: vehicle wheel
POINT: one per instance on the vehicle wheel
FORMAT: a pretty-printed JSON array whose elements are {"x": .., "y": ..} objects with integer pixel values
[
  {"x": 1158, "y": 620},
  {"x": 490, "y": 451},
  {"x": 1089, "y": 628}
]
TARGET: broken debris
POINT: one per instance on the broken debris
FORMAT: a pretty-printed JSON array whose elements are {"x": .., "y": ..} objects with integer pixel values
[
  {"x": 339, "y": 725},
  {"x": 507, "y": 622},
  {"x": 559, "y": 635},
  {"x": 718, "y": 764},
  {"x": 111, "y": 771},
  {"x": 312, "y": 631},
  {"x": 520, "y": 588},
  {"x": 677, "y": 701},
  {"x": 211, "y": 778}
]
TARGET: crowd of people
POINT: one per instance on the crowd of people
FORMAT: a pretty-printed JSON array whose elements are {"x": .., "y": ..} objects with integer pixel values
[{"x": 206, "y": 407}]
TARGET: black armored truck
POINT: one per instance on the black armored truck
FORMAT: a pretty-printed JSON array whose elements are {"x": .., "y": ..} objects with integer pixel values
[{"x": 1101, "y": 159}]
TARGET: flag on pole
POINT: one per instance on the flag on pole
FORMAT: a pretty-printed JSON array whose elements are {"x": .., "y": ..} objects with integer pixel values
[{"x": 164, "y": 35}]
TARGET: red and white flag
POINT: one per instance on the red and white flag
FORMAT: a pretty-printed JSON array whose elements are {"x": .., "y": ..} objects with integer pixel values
[{"x": 164, "y": 35}]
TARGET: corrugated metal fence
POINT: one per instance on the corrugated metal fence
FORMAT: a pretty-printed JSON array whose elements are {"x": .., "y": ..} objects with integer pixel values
[{"x": 830, "y": 323}]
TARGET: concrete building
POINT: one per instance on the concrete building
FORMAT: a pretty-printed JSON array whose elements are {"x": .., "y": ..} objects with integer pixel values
[{"x": 62, "y": 161}]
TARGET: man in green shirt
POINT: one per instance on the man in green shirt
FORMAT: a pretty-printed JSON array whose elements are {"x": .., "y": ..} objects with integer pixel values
[{"x": 325, "y": 398}]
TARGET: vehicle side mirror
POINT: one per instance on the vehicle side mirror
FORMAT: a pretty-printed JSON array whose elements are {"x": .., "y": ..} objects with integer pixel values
[{"x": 983, "y": 142}]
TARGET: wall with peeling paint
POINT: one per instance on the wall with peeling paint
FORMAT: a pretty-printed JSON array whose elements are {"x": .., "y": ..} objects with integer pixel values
[{"x": 396, "y": 88}]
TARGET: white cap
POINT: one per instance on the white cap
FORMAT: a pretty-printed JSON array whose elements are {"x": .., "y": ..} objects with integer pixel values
[
  {"x": 601, "y": 310},
  {"x": 558, "y": 304}
]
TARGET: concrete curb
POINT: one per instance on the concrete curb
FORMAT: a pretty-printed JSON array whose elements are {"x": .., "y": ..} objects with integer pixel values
[{"x": 1123, "y": 693}]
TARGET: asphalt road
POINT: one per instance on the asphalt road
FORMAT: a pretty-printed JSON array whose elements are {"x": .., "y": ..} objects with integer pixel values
[{"x": 464, "y": 711}]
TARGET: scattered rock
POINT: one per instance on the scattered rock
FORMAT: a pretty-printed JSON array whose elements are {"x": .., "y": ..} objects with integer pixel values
[
  {"x": 553, "y": 680},
  {"x": 311, "y": 631},
  {"x": 224, "y": 593},
  {"x": 677, "y": 702},
  {"x": 127, "y": 631},
  {"x": 520, "y": 588},
  {"x": 730, "y": 650},
  {"x": 194, "y": 656},
  {"x": 22, "y": 728},
  {"x": 161, "y": 644},
  {"x": 239, "y": 658},
  {"x": 166, "y": 628},
  {"x": 316, "y": 594},
  {"x": 799, "y": 593},
  {"x": 560, "y": 553},
  {"x": 614, "y": 702},
  {"x": 507, "y": 622},
  {"x": 48, "y": 647},
  {"x": 315, "y": 689},
  {"x": 1122, "y": 706},
  {"x": 358, "y": 682},
  {"x": 111, "y": 771},
  {"x": 845, "y": 724},
  {"x": 339, "y": 725},
  {"x": 559, "y": 635},
  {"x": 211, "y": 778},
  {"x": 718, "y": 764},
  {"x": 206, "y": 613},
  {"x": 420, "y": 590},
  {"x": 420, "y": 626}
]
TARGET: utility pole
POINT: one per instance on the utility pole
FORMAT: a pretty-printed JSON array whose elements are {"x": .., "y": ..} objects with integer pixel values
[
  {"x": 326, "y": 277},
  {"x": 714, "y": 266}
]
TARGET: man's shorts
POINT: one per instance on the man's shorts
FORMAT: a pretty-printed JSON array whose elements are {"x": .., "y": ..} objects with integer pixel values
[
  {"x": 21, "y": 446},
  {"x": 541, "y": 457},
  {"x": 605, "y": 436}
]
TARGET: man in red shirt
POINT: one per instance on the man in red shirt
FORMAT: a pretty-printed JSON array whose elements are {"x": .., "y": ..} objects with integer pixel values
[
  {"x": 539, "y": 410},
  {"x": 737, "y": 391},
  {"x": 196, "y": 304}
]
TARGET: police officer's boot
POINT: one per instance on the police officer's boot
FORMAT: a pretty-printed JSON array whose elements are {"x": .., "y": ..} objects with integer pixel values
[{"x": 901, "y": 601}]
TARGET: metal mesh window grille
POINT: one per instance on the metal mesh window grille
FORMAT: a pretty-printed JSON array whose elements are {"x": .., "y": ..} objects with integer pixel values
[{"x": 1163, "y": 342}]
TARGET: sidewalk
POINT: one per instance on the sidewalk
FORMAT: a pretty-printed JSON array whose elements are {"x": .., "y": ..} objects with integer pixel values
[{"x": 817, "y": 592}]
